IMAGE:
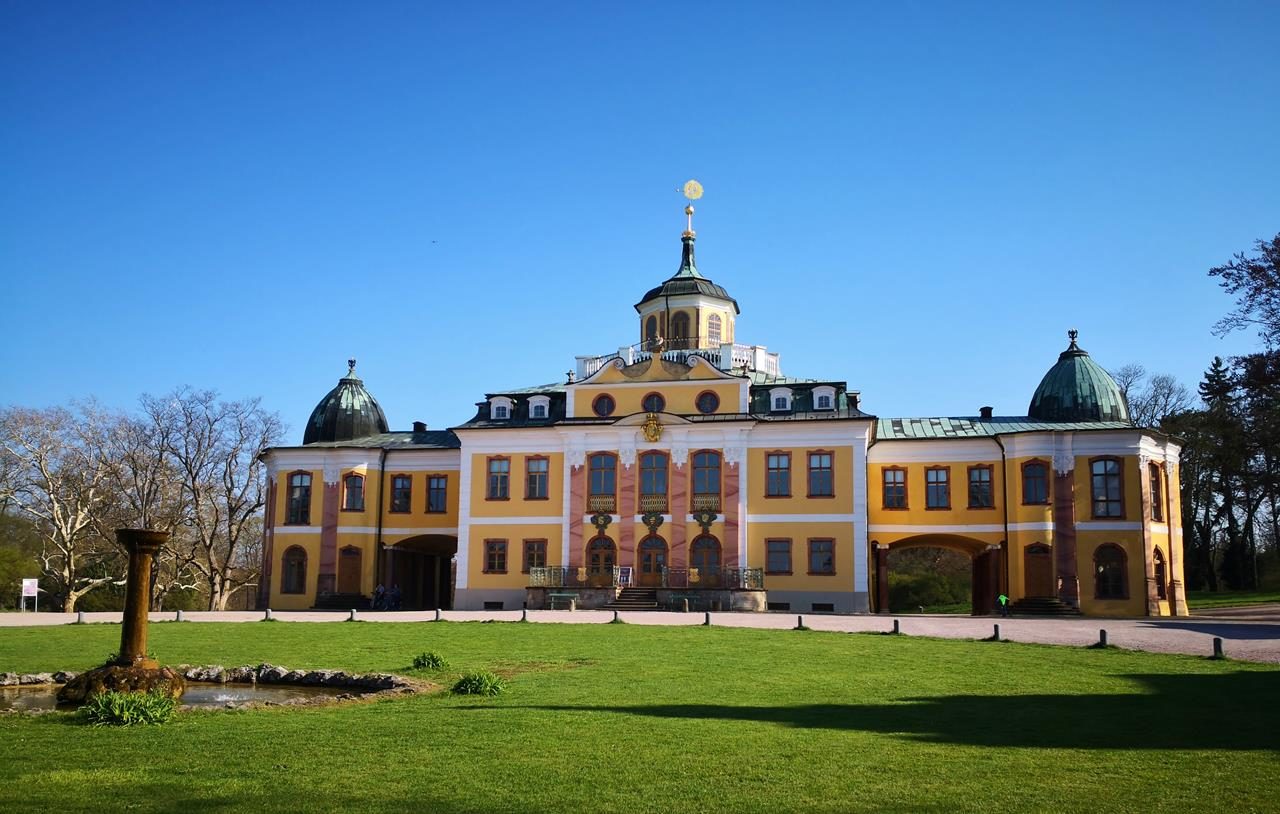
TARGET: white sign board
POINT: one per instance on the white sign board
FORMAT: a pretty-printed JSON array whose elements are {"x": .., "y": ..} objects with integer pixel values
[{"x": 29, "y": 587}]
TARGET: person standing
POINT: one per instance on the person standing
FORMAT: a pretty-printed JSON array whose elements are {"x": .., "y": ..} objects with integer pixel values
[{"x": 1004, "y": 604}]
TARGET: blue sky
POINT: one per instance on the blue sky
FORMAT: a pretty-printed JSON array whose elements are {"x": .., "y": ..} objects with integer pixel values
[{"x": 917, "y": 198}]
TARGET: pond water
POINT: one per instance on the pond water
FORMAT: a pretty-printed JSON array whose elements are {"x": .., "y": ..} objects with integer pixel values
[{"x": 45, "y": 696}]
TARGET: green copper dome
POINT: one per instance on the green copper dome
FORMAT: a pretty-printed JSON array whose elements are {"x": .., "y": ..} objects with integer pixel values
[
  {"x": 687, "y": 280},
  {"x": 1077, "y": 389},
  {"x": 347, "y": 411}
]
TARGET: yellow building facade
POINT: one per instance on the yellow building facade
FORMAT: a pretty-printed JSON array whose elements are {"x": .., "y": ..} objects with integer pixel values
[{"x": 686, "y": 470}]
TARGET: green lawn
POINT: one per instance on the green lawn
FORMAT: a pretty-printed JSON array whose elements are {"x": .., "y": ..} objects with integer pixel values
[
  {"x": 1203, "y": 600},
  {"x": 625, "y": 718}
]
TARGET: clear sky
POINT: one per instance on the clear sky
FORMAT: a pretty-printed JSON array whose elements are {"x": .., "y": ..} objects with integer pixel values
[{"x": 916, "y": 198}]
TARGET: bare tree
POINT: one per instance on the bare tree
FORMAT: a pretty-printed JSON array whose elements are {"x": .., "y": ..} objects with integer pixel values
[
  {"x": 1151, "y": 398},
  {"x": 216, "y": 448},
  {"x": 57, "y": 481}
]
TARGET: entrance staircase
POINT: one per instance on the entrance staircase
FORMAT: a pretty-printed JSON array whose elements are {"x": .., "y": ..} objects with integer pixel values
[
  {"x": 635, "y": 599},
  {"x": 1043, "y": 606}
]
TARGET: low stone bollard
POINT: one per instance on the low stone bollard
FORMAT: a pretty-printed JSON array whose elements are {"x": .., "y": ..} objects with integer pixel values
[
  {"x": 1102, "y": 638},
  {"x": 684, "y": 605},
  {"x": 1217, "y": 648},
  {"x": 799, "y": 623},
  {"x": 179, "y": 617},
  {"x": 995, "y": 637},
  {"x": 437, "y": 614},
  {"x": 267, "y": 617},
  {"x": 573, "y": 604},
  {"x": 615, "y": 616},
  {"x": 896, "y": 629},
  {"x": 706, "y": 619},
  {"x": 79, "y": 617},
  {"x": 524, "y": 614}
]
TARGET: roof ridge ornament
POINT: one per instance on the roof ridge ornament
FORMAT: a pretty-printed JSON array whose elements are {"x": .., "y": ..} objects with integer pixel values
[
  {"x": 692, "y": 191},
  {"x": 351, "y": 368},
  {"x": 1073, "y": 334}
]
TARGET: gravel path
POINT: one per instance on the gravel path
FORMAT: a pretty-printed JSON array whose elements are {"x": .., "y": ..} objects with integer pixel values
[{"x": 1257, "y": 639}]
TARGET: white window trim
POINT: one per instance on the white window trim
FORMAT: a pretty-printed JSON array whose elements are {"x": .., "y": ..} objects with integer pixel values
[
  {"x": 777, "y": 393},
  {"x": 501, "y": 401},
  {"x": 825, "y": 390},
  {"x": 540, "y": 401}
]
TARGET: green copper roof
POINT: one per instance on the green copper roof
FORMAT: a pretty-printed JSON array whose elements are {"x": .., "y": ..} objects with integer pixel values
[
  {"x": 347, "y": 411},
  {"x": 908, "y": 429},
  {"x": 687, "y": 280},
  {"x": 1077, "y": 389}
]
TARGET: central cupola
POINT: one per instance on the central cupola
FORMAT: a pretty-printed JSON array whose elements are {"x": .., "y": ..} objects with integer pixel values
[{"x": 688, "y": 311}]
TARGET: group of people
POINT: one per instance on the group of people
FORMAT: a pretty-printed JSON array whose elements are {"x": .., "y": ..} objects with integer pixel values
[{"x": 384, "y": 599}]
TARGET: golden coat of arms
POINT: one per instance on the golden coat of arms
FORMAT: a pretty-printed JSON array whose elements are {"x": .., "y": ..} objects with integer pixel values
[{"x": 652, "y": 428}]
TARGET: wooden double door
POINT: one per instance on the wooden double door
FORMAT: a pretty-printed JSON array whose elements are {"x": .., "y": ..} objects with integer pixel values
[{"x": 653, "y": 561}]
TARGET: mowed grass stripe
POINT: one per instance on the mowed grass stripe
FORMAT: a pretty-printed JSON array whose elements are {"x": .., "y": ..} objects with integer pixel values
[{"x": 631, "y": 718}]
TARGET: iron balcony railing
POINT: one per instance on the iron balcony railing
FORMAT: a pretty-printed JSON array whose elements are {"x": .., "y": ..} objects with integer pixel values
[
  {"x": 604, "y": 504},
  {"x": 706, "y": 503},
  {"x": 579, "y": 576},
  {"x": 713, "y": 578},
  {"x": 653, "y": 504}
]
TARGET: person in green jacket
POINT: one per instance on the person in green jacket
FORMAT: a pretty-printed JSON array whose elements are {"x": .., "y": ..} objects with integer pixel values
[{"x": 1004, "y": 604}]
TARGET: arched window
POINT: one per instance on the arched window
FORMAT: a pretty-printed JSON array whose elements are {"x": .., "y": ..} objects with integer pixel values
[
  {"x": 353, "y": 493},
  {"x": 680, "y": 327},
  {"x": 1157, "y": 492},
  {"x": 1110, "y": 572},
  {"x": 602, "y": 480},
  {"x": 653, "y": 403},
  {"x": 1162, "y": 591},
  {"x": 604, "y": 405},
  {"x": 293, "y": 571},
  {"x": 708, "y": 402},
  {"x": 1108, "y": 493},
  {"x": 299, "y": 513},
  {"x": 713, "y": 329},
  {"x": 651, "y": 328},
  {"x": 653, "y": 482},
  {"x": 706, "y": 481},
  {"x": 704, "y": 554},
  {"x": 602, "y": 555},
  {"x": 1035, "y": 483}
]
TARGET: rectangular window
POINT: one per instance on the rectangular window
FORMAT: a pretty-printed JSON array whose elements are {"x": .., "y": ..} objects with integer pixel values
[
  {"x": 980, "y": 492},
  {"x": 1157, "y": 493},
  {"x": 539, "y": 411},
  {"x": 653, "y": 482},
  {"x": 1035, "y": 483},
  {"x": 495, "y": 556},
  {"x": 299, "y": 513},
  {"x": 778, "y": 478},
  {"x": 499, "y": 487},
  {"x": 535, "y": 554},
  {"x": 937, "y": 488},
  {"x": 895, "y": 488},
  {"x": 535, "y": 478},
  {"x": 437, "y": 494},
  {"x": 821, "y": 480},
  {"x": 1108, "y": 497},
  {"x": 822, "y": 556},
  {"x": 401, "y": 493},
  {"x": 777, "y": 556}
]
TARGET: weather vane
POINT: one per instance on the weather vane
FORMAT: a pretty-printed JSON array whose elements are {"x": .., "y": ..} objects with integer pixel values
[{"x": 692, "y": 192}]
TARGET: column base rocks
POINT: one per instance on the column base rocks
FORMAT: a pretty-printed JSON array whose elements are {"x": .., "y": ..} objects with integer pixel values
[{"x": 122, "y": 678}]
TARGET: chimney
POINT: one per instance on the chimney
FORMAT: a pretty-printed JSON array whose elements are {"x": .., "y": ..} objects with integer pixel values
[
  {"x": 419, "y": 426},
  {"x": 985, "y": 412}
]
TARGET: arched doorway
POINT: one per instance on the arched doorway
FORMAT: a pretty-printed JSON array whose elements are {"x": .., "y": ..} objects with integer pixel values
[
  {"x": 423, "y": 570},
  {"x": 350, "y": 562},
  {"x": 984, "y": 569},
  {"x": 602, "y": 556},
  {"x": 653, "y": 560},
  {"x": 704, "y": 555},
  {"x": 1037, "y": 565}
]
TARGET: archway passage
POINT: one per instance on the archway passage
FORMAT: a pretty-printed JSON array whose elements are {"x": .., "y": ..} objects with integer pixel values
[
  {"x": 984, "y": 569},
  {"x": 422, "y": 568}
]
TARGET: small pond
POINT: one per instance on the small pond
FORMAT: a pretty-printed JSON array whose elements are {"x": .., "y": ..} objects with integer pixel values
[{"x": 45, "y": 696}]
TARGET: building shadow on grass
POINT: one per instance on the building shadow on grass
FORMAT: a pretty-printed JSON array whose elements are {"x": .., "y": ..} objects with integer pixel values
[{"x": 1234, "y": 711}]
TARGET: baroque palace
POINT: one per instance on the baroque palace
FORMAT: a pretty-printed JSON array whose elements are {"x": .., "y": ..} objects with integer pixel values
[{"x": 686, "y": 470}]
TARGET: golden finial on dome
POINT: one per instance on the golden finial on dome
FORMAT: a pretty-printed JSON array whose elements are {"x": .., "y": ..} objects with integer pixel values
[{"x": 692, "y": 191}]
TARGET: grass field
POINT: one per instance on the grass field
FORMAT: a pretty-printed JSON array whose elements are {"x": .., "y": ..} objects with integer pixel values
[
  {"x": 1203, "y": 600},
  {"x": 629, "y": 718}
]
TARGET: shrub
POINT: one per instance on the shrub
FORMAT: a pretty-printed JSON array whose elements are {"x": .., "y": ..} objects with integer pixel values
[
  {"x": 430, "y": 661},
  {"x": 128, "y": 708},
  {"x": 481, "y": 683}
]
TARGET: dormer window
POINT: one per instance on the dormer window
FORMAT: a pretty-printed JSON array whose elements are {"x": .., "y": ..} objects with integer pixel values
[
  {"x": 500, "y": 408},
  {"x": 824, "y": 398},
  {"x": 780, "y": 399},
  {"x": 539, "y": 406}
]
